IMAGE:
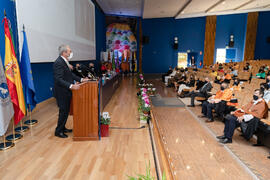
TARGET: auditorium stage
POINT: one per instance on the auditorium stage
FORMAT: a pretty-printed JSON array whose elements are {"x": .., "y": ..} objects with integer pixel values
[
  {"x": 193, "y": 151},
  {"x": 41, "y": 155}
]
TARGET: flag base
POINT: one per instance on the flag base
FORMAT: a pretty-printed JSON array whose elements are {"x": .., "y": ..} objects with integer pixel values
[
  {"x": 31, "y": 123},
  {"x": 22, "y": 129},
  {"x": 6, "y": 145},
  {"x": 14, "y": 137}
]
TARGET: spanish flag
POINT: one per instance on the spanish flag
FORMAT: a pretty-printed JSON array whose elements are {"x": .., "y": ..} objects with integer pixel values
[{"x": 13, "y": 76}]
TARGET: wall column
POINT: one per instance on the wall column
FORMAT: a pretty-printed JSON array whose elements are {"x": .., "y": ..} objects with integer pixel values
[
  {"x": 251, "y": 32},
  {"x": 209, "y": 40}
]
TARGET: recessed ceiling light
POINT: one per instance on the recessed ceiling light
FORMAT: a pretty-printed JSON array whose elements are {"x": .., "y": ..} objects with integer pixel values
[
  {"x": 224, "y": 2},
  {"x": 182, "y": 12}
]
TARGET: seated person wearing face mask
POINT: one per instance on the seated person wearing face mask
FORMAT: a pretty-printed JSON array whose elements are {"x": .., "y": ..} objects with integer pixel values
[
  {"x": 265, "y": 88},
  {"x": 92, "y": 69},
  {"x": 202, "y": 92},
  {"x": 236, "y": 86},
  {"x": 217, "y": 102},
  {"x": 249, "y": 115},
  {"x": 78, "y": 71}
]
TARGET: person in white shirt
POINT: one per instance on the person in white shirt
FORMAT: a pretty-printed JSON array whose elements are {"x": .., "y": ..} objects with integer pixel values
[
  {"x": 170, "y": 76},
  {"x": 265, "y": 89}
]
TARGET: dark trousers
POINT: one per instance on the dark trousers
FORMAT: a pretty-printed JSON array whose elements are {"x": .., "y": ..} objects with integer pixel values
[
  {"x": 63, "y": 115},
  {"x": 207, "y": 109},
  {"x": 195, "y": 94},
  {"x": 231, "y": 124}
]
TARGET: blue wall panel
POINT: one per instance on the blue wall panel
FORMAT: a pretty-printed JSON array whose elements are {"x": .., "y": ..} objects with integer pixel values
[
  {"x": 231, "y": 25},
  {"x": 262, "y": 48},
  {"x": 159, "y": 54}
]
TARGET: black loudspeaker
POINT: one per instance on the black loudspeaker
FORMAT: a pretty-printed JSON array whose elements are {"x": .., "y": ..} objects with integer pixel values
[
  {"x": 145, "y": 40},
  {"x": 175, "y": 45},
  {"x": 231, "y": 44},
  {"x": 268, "y": 39}
]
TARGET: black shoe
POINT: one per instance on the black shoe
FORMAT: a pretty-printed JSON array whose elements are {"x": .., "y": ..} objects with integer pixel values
[
  {"x": 67, "y": 130},
  {"x": 202, "y": 116},
  {"x": 257, "y": 144},
  {"x": 221, "y": 137},
  {"x": 190, "y": 105},
  {"x": 61, "y": 135},
  {"x": 225, "y": 141},
  {"x": 209, "y": 120}
]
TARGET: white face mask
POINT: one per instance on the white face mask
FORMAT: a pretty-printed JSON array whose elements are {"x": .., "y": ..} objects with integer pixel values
[{"x": 70, "y": 55}]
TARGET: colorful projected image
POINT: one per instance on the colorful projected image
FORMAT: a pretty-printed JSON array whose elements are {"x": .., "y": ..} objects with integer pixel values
[{"x": 120, "y": 37}]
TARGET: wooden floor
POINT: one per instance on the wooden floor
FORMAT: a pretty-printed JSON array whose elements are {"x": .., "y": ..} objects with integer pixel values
[
  {"x": 194, "y": 151},
  {"x": 41, "y": 155},
  {"x": 191, "y": 147}
]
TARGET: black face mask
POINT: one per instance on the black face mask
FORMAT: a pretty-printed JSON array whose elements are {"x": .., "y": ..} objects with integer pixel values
[
  {"x": 262, "y": 89},
  {"x": 267, "y": 80},
  {"x": 222, "y": 88},
  {"x": 255, "y": 97}
]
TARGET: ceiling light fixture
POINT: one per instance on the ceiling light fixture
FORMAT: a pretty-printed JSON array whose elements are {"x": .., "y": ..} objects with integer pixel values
[
  {"x": 214, "y": 5},
  {"x": 183, "y": 8},
  {"x": 224, "y": 2},
  {"x": 243, "y": 5}
]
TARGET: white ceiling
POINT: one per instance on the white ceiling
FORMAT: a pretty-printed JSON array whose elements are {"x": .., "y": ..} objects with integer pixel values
[
  {"x": 121, "y": 7},
  {"x": 172, "y": 8}
]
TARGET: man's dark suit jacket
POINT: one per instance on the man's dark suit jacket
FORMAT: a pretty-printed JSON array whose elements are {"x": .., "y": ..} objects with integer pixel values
[
  {"x": 63, "y": 78},
  {"x": 206, "y": 88}
]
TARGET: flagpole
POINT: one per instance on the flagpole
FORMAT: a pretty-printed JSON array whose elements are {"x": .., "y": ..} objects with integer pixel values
[
  {"x": 31, "y": 121},
  {"x": 6, "y": 145},
  {"x": 14, "y": 136}
]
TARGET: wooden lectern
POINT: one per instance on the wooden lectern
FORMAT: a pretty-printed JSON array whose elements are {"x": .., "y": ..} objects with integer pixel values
[{"x": 85, "y": 104}]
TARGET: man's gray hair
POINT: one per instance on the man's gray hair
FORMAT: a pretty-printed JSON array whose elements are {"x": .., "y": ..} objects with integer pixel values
[{"x": 62, "y": 48}]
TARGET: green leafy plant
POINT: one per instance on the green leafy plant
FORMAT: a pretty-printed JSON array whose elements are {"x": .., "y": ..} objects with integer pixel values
[
  {"x": 145, "y": 109},
  {"x": 106, "y": 121},
  {"x": 147, "y": 175}
]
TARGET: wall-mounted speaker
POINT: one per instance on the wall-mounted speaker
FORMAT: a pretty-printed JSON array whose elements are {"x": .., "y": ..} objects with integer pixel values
[
  {"x": 268, "y": 39},
  {"x": 231, "y": 44},
  {"x": 231, "y": 41},
  {"x": 175, "y": 45},
  {"x": 145, "y": 40}
]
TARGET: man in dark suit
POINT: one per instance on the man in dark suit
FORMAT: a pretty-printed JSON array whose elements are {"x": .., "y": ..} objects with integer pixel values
[
  {"x": 202, "y": 92},
  {"x": 64, "y": 82}
]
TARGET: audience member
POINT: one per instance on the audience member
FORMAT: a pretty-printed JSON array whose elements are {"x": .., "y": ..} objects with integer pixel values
[
  {"x": 247, "y": 117},
  {"x": 202, "y": 92},
  {"x": 217, "y": 102}
]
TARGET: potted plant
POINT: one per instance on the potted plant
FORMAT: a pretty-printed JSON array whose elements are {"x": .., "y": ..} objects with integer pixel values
[
  {"x": 145, "y": 109},
  {"x": 105, "y": 122}
]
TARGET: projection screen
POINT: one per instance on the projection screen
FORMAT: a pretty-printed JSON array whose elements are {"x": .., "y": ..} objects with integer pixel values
[{"x": 50, "y": 23}]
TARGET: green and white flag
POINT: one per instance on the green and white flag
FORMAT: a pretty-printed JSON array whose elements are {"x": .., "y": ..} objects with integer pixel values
[{"x": 6, "y": 107}]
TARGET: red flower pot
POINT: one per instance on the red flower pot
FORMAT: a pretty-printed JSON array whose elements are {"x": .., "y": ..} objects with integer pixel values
[{"x": 104, "y": 130}]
